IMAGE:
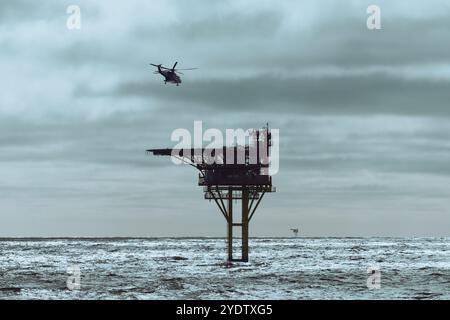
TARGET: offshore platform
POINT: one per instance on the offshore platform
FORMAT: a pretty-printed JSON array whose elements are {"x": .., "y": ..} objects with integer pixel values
[{"x": 239, "y": 172}]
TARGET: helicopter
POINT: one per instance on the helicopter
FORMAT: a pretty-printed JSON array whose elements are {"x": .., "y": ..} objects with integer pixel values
[{"x": 170, "y": 75}]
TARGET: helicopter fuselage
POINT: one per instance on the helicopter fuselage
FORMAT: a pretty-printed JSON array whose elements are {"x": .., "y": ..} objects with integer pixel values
[{"x": 170, "y": 76}]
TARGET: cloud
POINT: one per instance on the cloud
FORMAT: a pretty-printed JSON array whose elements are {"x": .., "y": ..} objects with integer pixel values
[
  {"x": 332, "y": 95},
  {"x": 362, "y": 115}
]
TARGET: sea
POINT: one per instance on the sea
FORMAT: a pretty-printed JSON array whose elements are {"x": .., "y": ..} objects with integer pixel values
[{"x": 196, "y": 268}]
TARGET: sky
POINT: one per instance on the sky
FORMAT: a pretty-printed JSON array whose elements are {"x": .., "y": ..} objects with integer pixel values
[{"x": 363, "y": 115}]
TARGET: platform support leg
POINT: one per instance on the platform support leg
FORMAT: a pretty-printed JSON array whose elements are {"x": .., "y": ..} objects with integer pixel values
[
  {"x": 230, "y": 225},
  {"x": 245, "y": 213}
]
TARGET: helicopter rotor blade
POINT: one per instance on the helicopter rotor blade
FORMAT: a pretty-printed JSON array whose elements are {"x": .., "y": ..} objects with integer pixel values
[
  {"x": 173, "y": 68},
  {"x": 187, "y": 69},
  {"x": 159, "y": 66}
]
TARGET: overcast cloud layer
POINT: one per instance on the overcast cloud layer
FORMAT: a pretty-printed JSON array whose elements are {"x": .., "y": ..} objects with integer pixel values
[{"x": 364, "y": 116}]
